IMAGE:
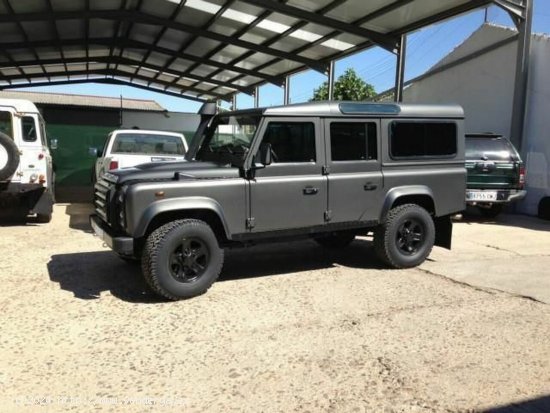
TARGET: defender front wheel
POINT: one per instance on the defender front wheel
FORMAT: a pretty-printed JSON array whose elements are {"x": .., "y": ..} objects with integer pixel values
[
  {"x": 182, "y": 259},
  {"x": 406, "y": 237}
]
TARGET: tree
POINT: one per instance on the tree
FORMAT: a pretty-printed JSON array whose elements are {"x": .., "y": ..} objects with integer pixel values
[{"x": 349, "y": 86}]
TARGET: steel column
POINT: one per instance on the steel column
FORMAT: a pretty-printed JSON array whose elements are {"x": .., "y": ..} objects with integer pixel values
[
  {"x": 257, "y": 97},
  {"x": 234, "y": 102},
  {"x": 286, "y": 96},
  {"x": 331, "y": 80},
  {"x": 400, "y": 69},
  {"x": 522, "y": 75}
]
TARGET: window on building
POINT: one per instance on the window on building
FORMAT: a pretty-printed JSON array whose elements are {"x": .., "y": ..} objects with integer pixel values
[
  {"x": 422, "y": 139},
  {"x": 291, "y": 141},
  {"x": 353, "y": 141}
]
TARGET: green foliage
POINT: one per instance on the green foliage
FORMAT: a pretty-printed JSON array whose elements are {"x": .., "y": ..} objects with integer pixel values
[{"x": 349, "y": 86}]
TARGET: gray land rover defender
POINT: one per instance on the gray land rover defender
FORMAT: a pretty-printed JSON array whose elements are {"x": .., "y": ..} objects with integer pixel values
[{"x": 329, "y": 171}]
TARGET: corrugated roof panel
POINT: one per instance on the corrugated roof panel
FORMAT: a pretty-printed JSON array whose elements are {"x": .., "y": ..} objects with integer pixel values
[{"x": 236, "y": 42}]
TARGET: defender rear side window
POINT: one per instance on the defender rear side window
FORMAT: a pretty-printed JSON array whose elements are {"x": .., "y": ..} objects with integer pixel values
[
  {"x": 423, "y": 139},
  {"x": 352, "y": 141},
  {"x": 29, "y": 129},
  {"x": 291, "y": 141},
  {"x": 6, "y": 126}
]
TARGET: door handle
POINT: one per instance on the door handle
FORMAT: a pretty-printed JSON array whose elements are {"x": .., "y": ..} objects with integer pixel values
[
  {"x": 309, "y": 190},
  {"x": 369, "y": 186}
]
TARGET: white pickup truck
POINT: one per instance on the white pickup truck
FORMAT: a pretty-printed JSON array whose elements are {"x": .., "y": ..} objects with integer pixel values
[{"x": 125, "y": 148}]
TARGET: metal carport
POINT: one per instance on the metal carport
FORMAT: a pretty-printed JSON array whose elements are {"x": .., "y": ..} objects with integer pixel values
[{"x": 214, "y": 49}]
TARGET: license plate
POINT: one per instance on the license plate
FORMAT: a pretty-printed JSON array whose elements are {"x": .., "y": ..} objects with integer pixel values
[
  {"x": 481, "y": 196},
  {"x": 159, "y": 159}
]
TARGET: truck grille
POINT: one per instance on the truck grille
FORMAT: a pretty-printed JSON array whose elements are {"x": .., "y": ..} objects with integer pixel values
[{"x": 102, "y": 193}]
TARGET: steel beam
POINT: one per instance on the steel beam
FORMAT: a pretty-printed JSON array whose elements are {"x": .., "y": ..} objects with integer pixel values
[
  {"x": 400, "y": 69},
  {"x": 522, "y": 76},
  {"x": 387, "y": 42},
  {"x": 127, "y": 43},
  {"x": 134, "y": 16},
  {"x": 119, "y": 61},
  {"x": 107, "y": 72}
]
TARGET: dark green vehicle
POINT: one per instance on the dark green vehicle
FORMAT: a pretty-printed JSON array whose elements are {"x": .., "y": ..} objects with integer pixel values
[{"x": 496, "y": 173}]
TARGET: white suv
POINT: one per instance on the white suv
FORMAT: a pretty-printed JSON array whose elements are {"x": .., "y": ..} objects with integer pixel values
[
  {"x": 126, "y": 148},
  {"x": 26, "y": 171}
]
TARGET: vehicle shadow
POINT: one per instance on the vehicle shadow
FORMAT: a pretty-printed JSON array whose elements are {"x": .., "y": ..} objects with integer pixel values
[
  {"x": 89, "y": 274},
  {"x": 537, "y": 405},
  {"x": 292, "y": 257},
  {"x": 79, "y": 216}
]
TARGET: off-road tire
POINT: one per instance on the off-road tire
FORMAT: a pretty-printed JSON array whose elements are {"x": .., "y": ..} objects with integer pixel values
[
  {"x": 387, "y": 235},
  {"x": 492, "y": 211},
  {"x": 335, "y": 240},
  {"x": 155, "y": 261},
  {"x": 12, "y": 152}
]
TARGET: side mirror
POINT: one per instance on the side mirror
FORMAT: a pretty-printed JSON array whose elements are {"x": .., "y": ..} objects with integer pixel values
[
  {"x": 265, "y": 154},
  {"x": 53, "y": 144},
  {"x": 94, "y": 152}
]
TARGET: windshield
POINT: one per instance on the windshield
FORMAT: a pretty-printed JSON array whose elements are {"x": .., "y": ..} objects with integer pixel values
[
  {"x": 148, "y": 144},
  {"x": 228, "y": 139}
]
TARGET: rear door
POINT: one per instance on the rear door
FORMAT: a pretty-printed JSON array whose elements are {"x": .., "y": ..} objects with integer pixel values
[{"x": 355, "y": 183}]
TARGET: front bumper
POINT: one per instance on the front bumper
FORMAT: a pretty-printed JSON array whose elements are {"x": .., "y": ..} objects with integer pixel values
[
  {"x": 503, "y": 196},
  {"x": 120, "y": 245}
]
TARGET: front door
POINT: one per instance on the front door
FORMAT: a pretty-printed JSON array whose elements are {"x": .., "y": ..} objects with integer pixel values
[
  {"x": 355, "y": 179},
  {"x": 291, "y": 193}
]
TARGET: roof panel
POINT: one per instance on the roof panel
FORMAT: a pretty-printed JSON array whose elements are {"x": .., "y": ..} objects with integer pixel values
[{"x": 213, "y": 44}]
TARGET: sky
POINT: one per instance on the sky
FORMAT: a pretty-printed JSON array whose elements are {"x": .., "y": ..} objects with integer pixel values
[{"x": 376, "y": 66}]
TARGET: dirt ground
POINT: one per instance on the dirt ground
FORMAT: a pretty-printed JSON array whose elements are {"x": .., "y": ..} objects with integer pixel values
[{"x": 289, "y": 327}]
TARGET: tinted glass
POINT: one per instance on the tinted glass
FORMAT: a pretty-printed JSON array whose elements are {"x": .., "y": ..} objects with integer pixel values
[
  {"x": 6, "y": 124},
  {"x": 352, "y": 141},
  {"x": 490, "y": 149},
  {"x": 423, "y": 139},
  {"x": 148, "y": 144},
  {"x": 29, "y": 129},
  {"x": 291, "y": 141}
]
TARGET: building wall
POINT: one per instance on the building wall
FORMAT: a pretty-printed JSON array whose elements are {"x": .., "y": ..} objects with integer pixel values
[{"x": 484, "y": 86}]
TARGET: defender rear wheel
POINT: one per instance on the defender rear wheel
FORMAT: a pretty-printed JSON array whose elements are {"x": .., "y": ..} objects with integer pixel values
[
  {"x": 182, "y": 259},
  {"x": 406, "y": 237}
]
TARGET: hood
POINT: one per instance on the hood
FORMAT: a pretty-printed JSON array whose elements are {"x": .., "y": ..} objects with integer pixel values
[{"x": 176, "y": 170}]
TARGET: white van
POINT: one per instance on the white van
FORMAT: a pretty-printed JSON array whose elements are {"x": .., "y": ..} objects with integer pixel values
[
  {"x": 26, "y": 170},
  {"x": 125, "y": 148}
]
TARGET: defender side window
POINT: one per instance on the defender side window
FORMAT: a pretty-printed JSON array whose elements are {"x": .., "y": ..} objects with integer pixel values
[
  {"x": 353, "y": 141},
  {"x": 423, "y": 139},
  {"x": 6, "y": 125},
  {"x": 291, "y": 141},
  {"x": 29, "y": 129}
]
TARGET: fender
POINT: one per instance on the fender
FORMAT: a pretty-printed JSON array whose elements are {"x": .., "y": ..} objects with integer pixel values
[
  {"x": 401, "y": 191},
  {"x": 178, "y": 204}
]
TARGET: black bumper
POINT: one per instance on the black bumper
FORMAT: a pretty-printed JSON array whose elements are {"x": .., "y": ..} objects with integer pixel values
[
  {"x": 25, "y": 199},
  {"x": 120, "y": 245}
]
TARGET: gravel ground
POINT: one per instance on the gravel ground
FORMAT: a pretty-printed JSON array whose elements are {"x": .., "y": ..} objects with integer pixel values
[{"x": 288, "y": 327}]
